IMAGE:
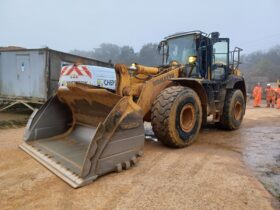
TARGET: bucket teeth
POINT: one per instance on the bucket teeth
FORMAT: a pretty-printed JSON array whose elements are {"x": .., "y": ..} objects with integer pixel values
[
  {"x": 140, "y": 153},
  {"x": 134, "y": 160},
  {"x": 127, "y": 164},
  {"x": 119, "y": 167}
]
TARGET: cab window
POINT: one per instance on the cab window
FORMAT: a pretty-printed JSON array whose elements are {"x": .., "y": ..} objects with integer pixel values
[{"x": 220, "y": 60}]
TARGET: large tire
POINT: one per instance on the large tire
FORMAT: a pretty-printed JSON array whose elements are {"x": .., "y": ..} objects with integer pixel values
[
  {"x": 177, "y": 116},
  {"x": 233, "y": 111}
]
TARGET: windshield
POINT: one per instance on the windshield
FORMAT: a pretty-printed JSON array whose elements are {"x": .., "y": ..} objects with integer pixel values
[{"x": 181, "y": 48}]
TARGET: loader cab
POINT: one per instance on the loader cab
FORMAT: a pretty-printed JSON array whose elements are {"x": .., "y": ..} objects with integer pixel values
[{"x": 204, "y": 56}]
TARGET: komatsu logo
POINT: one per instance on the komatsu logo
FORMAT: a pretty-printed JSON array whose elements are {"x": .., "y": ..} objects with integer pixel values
[{"x": 163, "y": 79}]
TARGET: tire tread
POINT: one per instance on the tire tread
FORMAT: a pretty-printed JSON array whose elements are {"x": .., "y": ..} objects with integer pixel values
[{"x": 161, "y": 115}]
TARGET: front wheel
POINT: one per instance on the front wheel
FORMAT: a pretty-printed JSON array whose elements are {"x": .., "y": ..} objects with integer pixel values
[
  {"x": 233, "y": 111},
  {"x": 177, "y": 116}
]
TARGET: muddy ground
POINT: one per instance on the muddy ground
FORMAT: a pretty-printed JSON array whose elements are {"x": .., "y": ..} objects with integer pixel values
[
  {"x": 13, "y": 119},
  {"x": 220, "y": 171}
]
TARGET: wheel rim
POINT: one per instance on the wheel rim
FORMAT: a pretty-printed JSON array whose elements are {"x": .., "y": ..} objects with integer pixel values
[
  {"x": 237, "y": 110},
  {"x": 187, "y": 119}
]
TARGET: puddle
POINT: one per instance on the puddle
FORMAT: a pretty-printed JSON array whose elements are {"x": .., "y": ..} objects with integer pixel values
[
  {"x": 259, "y": 146},
  {"x": 262, "y": 154}
]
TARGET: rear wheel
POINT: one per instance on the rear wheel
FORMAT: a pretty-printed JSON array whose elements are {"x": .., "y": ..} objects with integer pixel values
[
  {"x": 177, "y": 116},
  {"x": 234, "y": 110}
]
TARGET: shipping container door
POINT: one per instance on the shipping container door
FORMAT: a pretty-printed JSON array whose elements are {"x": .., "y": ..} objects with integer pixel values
[{"x": 23, "y": 75}]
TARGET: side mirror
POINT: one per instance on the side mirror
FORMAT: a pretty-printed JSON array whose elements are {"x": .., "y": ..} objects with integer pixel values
[{"x": 162, "y": 48}]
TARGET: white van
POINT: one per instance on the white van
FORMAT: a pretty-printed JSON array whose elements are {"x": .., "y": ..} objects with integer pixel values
[{"x": 91, "y": 75}]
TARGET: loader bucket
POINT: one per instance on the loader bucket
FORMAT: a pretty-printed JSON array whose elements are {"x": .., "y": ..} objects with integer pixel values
[{"x": 84, "y": 132}]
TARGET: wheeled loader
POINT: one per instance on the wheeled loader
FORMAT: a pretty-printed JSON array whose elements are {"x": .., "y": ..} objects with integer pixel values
[{"x": 83, "y": 131}]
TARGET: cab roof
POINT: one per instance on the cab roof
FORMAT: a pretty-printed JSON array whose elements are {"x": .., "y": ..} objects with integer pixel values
[{"x": 185, "y": 33}]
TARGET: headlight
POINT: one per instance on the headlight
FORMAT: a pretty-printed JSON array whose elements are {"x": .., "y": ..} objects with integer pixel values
[{"x": 192, "y": 59}]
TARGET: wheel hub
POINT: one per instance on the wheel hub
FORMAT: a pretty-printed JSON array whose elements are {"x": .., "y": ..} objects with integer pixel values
[
  {"x": 187, "y": 118},
  {"x": 237, "y": 110}
]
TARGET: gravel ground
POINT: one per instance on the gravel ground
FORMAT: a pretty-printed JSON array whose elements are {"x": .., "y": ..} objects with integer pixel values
[{"x": 214, "y": 173}]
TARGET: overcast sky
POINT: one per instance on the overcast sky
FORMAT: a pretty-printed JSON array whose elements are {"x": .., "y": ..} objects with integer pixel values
[{"x": 84, "y": 24}]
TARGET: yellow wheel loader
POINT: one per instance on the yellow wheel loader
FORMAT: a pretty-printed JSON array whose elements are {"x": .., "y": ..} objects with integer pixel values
[{"x": 84, "y": 131}]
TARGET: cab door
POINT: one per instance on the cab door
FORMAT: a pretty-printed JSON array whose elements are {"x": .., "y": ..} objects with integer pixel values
[
  {"x": 24, "y": 87},
  {"x": 220, "y": 59}
]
